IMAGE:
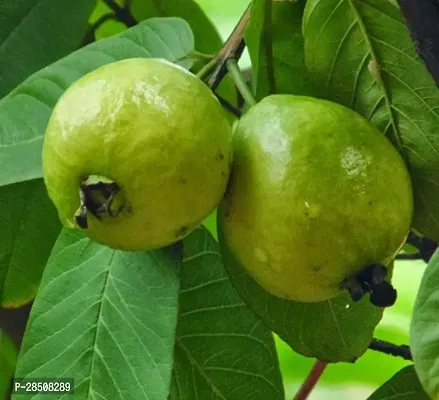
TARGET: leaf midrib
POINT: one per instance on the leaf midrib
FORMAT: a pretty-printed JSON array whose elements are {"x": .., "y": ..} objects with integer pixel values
[
  {"x": 199, "y": 369},
  {"x": 98, "y": 325},
  {"x": 379, "y": 75}
]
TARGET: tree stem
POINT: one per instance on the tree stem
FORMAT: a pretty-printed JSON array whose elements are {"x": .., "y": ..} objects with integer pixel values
[
  {"x": 311, "y": 380},
  {"x": 238, "y": 79},
  {"x": 382, "y": 346},
  {"x": 232, "y": 49},
  {"x": 228, "y": 106}
]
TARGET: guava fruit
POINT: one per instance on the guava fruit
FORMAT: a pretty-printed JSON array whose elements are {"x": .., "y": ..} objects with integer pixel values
[
  {"x": 317, "y": 195},
  {"x": 137, "y": 153}
]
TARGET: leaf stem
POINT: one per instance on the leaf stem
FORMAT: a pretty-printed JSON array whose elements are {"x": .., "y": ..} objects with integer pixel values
[
  {"x": 232, "y": 49},
  {"x": 201, "y": 56},
  {"x": 204, "y": 72},
  {"x": 238, "y": 79},
  {"x": 311, "y": 380},
  {"x": 382, "y": 346},
  {"x": 123, "y": 14}
]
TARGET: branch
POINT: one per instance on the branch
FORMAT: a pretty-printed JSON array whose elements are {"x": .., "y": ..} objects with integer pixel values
[
  {"x": 426, "y": 248},
  {"x": 422, "y": 21},
  {"x": 382, "y": 346},
  {"x": 236, "y": 111},
  {"x": 311, "y": 380},
  {"x": 123, "y": 14},
  {"x": 232, "y": 49}
]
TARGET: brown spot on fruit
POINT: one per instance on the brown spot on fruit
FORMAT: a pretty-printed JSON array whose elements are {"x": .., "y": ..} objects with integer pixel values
[{"x": 182, "y": 231}]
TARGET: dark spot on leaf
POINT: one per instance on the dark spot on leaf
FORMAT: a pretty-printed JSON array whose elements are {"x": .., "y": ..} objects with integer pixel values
[
  {"x": 369, "y": 202},
  {"x": 183, "y": 180}
]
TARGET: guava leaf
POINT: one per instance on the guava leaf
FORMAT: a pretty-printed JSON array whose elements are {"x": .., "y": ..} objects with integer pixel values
[
  {"x": 335, "y": 330},
  {"x": 223, "y": 351},
  {"x": 207, "y": 38},
  {"x": 360, "y": 54},
  {"x": 105, "y": 318},
  {"x": 35, "y": 33},
  {"x": 29, "y": 228},
  {"x": 24, "y": 113},
  {"x": 424, "y": 329},
  {"x": 275, "y": 44},
  {"x": 8, "y": 358},
  {"x": 404, "y": 385}
]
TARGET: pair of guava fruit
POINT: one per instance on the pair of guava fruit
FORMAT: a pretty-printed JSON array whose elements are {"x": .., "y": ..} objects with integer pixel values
[{"x": 139, "y": 152}]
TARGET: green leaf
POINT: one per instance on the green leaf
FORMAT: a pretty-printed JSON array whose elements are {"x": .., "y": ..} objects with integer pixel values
[
  {"x": 8, "y": 358},
  {"x": 106, "y": 318},
  {"x": 361, "y": 55},
  {"x": 29, "y": 228},
  {"x": 24, "y": 113},
  {"x": 275, "y": 43},
  {"x": 35, "y": 33},
  {"x": 333, "y": 331},
  {"x": 207, "y": 38},
  {"x": 223, "y": 351},
  {"x": 404, "y": 385},
  {"x": 424, "y": 329}
]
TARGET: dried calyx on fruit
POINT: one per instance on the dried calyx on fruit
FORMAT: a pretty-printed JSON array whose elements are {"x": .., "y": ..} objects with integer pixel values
[
  {"x": 137, "y": 153},
  {"x": 319, "y": 201}
]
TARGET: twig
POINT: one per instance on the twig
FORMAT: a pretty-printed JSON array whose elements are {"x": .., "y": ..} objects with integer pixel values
[
  {"x": 123, "y": 14},
  {"x": 426, "y": 247},
  {"x": 311, "y": 380},
  {"x": 228, "y": 106},
  {"x": 414, "y": 239},
  {"x": 382, "y": 346},
  {"x": 90, "y": 36},
  {"x": 232, "y": 49}
]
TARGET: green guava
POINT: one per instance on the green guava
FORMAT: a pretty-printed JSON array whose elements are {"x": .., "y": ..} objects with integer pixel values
[
  {"x": 316, "y": 194},
  {"x": 144, "y": 146}
]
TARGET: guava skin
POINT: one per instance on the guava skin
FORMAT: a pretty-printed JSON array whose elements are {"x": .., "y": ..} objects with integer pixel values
[
  {"x": 316, "y": 194},
  {"x": 158, "y": 132}
]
